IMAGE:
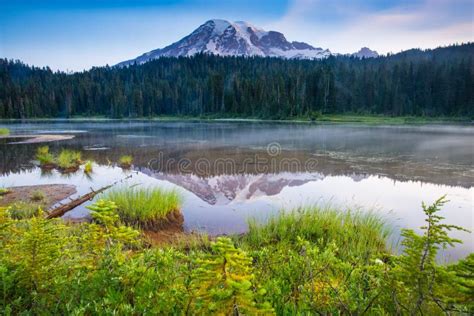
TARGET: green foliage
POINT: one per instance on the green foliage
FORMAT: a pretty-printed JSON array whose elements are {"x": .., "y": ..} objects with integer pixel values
[
  {"x": 4, "y": 191},
  {"x": 69, "y": 159},
  {"x": 23, "y": 210},
  {"x": 144, "y": 207},
  {"x": 297, "y": 265},
  {"x": 223, "y": 282},
  {"x": 104, "y": 213},
  {"x": 420, "y": 283},
  {"x": 125, "y": 161},
  {"x": 44, "y": 156},
  {"x": 464, "y": 282},
  {"x": 4, "y": 131}
]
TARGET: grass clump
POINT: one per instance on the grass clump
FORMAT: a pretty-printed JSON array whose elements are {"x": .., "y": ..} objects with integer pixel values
[
  {"x": 354, "y": 233},
  {"x": 37, "y": 196},
  {"x": 44, "y": 157},
  {"x": 147, "y": 208},
  {"x": 126, "y": 161},
  {"x": 69, "y": 160},
  {"x": 4, "y": 131},
  {"x": 4, "y": 191},
  {"x": 88, "y": 167},
  {"x": 23, "y": 210}
]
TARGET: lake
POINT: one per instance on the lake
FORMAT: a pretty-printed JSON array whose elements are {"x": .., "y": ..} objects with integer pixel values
[{"x": 229, "y": 171}]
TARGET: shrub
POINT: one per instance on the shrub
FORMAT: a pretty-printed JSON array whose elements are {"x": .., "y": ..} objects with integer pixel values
[
  {"x": 44, "y": 157},
  {"x": 223, "y": 282},
  {"x": 148, "y": 208},
  {"x": 126, "y": 161},
  {"x": 4, "y": 131},
  {"x": 69, "y": 160}
]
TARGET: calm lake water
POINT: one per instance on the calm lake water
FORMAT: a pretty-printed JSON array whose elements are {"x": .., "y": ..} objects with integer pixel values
[{"x": 230, "y": 171}]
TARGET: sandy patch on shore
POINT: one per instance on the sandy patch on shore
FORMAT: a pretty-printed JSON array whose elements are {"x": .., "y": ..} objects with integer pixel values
[
  {"x": 33, "y": 139},
  {"x": 53, "y": 194}
]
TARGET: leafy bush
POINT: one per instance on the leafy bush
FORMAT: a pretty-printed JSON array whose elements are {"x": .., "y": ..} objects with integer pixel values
[
  {"x": 69, "y": 159},
  {"x": 4, "y": 131},
  {"x": 145, "y": 207}
]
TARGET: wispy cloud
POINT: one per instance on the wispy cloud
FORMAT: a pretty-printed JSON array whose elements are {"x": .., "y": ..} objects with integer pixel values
[{"x": 387, "y": 27}]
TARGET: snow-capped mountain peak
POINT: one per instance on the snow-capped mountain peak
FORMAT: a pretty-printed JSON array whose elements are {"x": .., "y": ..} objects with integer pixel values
[{"x": 240, "y": 38}]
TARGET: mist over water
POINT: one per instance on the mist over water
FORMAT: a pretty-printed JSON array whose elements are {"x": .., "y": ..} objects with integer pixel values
[{"x": 229, "y": 171}]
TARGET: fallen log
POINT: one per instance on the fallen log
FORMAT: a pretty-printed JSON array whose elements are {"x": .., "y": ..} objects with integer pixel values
[{"x": 64, "y": 208}]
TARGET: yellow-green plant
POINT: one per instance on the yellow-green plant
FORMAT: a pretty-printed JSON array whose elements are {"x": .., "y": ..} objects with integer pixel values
[
  {"x": 125, "y": 161},
  {"x": 44, "y": 157},
  {"x": 420, "y": 283},
  {"x": 144, "y": 207},
  {"x": 24, "y": 210},
  {"x": 223, "y": 282},
  {"x": 4, "y": 131},
  {"x": 88, "y": 167},
  {"x": 69, "y": 159},
  {"x": 104, "y": 212}
]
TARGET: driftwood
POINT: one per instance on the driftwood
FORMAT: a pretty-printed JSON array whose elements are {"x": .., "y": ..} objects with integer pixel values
[{"x": 64, "y": 208}]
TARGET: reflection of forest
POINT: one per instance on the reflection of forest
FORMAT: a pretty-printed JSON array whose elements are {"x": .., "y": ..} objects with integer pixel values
[{"x": 228, "y": 161}]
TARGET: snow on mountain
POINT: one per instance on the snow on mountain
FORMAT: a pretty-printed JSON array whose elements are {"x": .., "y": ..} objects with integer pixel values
[
  {"x": 365, "y": 52},
  {"x": 224, "y": 38}
]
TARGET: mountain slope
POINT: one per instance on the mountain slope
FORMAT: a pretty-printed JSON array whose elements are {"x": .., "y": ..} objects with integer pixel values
[{"x": 221, "y": 37}]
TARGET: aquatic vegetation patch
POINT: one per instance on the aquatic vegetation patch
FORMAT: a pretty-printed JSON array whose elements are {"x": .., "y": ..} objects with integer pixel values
[
  {"x": 126, "y": 161},
  {"x": 355, "y": 233},
  {"x": 88, "y": 166},
  {"x": 4, "y": 131},
  {"x": 69, "y": 160},
  {"x": 45, "y": 158},
  {"x": 149, "y": 208}
]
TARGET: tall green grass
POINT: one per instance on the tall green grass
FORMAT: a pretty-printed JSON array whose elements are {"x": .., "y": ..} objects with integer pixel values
[
  {"x": 355, "y": 233},
  {"x": 69, "y": 159},
  {"x": 44, "y": 156},
  {"x": 144, "y": 207}
]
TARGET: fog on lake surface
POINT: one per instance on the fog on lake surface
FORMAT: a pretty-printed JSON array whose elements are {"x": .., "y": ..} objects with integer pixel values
[{"x": 230, "y": 171}]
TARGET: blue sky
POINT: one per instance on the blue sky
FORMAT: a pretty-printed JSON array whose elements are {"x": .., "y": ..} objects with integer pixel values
[{"x": 76, "y": 35}]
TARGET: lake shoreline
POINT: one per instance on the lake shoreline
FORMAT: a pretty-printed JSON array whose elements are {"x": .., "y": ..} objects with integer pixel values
[{"x": 324, "y": 119}]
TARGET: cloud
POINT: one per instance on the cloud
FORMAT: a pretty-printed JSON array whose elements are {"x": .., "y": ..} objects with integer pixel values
[{"x": 387, "y": 27}]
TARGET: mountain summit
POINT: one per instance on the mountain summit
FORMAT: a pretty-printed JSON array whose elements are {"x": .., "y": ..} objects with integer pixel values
[
  {"x": 221, "y": 37},
  {"x": 366, "y": 52}
]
